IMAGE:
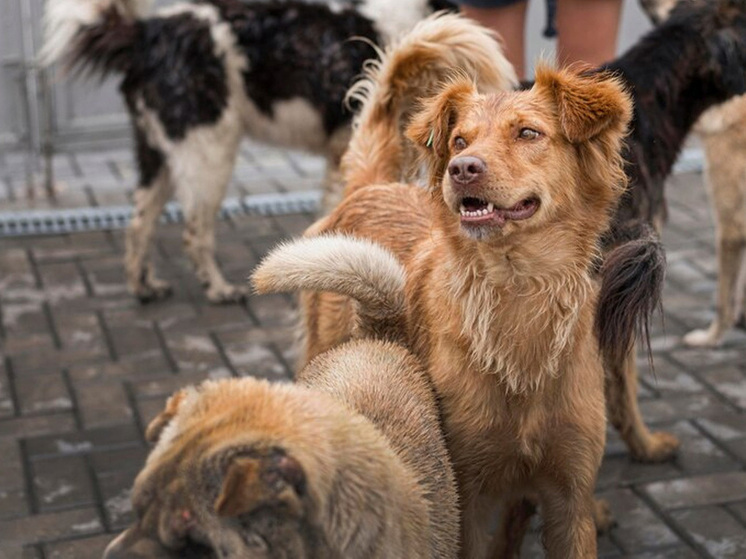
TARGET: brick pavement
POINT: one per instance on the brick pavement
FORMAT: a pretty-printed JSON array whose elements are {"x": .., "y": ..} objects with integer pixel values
[{"x": 84, "y": 368}]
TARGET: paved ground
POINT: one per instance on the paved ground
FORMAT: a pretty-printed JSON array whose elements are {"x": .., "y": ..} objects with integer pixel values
[{"x": 84, "y": 368}]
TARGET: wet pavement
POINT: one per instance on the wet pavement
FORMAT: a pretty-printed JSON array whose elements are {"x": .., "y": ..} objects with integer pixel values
[{"x": 84, "y": 368}]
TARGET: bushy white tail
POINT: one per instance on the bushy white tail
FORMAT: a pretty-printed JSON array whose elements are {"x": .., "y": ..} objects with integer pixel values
[
  {"x": 65, "y": 19},
  {"x": 437, "y": 48},
  {"x": 360, "y": 269}
]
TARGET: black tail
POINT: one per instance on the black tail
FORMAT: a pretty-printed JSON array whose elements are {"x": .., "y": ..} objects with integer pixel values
[
  {"x": 631, "y": 283},
  {"x": 94, "y": 37}
]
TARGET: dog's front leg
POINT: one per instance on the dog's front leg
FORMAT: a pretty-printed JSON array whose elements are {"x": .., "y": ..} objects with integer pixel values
[
  {"x": 149, "y": 202},
  {"x": 624, "y": 414},
  {"x": 515, "y": 517},
  {"x": 569, "y": 526}
]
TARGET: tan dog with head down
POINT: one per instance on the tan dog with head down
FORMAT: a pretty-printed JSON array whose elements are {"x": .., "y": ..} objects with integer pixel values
[
  {"x": 500, "y": 293},
  {"x": 351, "y": 463}
]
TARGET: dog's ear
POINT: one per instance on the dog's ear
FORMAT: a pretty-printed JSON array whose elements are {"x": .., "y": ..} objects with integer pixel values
[
  {"x": 156, "y": 426},
  {"x": 267, "y": 479},
  {"x": 430, "y": 128},
  {"x": 588, "y": 103}
]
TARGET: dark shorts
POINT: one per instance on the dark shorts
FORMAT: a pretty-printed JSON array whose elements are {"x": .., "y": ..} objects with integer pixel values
[{"x": 549, "y": 30}]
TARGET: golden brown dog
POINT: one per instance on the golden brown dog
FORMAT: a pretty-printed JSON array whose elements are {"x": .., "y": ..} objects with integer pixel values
[
  {"x": 350, "y": 463},
  {"x": 500, "y": 293}
]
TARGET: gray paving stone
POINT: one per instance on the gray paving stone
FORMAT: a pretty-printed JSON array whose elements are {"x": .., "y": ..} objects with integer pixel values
[
  {"x": 710, "y": 489},
  {"x": 730, "y": 382},
  {"x": 61, "y": 483},
  {"x": 43, "y": 393},
  {"x": 637, "y": 526},
  {"x": 88, "y": 548},
  {"x": 715, "y": 530},
  {"x": 69, "y": 329},
  {"x": 48, "y": 527}
]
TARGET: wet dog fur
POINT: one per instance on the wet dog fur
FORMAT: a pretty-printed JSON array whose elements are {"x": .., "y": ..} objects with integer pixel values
[
  {"x": 722, "y": 130},
  {"x": 500, "y": 293},
  {"x": 197, "y": 77},
  {"x": 349, "y": 462}
]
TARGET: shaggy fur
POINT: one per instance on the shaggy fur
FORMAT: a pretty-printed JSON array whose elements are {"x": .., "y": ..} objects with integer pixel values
[
  {"x": 522, "y": 395},
  {"x": 197, "y": 77},
  {"x": 350, "y": 462},
  {"x": 723, "y": 133},
  {"x": 696, "y": 59}
]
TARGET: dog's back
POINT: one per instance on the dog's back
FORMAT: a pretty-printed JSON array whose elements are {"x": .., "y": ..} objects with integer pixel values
[{"x": 387, "y": 385}]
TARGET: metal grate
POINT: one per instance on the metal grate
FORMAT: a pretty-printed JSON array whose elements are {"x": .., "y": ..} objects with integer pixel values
[
  {"x": 75, "y": 220},
  {"x": 55, "y": 222}
]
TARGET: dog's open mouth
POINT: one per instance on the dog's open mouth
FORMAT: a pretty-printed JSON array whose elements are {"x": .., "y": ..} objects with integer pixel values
[{"x": 480, "y": 212}]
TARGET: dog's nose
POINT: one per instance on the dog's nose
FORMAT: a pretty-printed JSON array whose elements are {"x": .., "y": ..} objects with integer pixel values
[{"x": 466, "y": 169}]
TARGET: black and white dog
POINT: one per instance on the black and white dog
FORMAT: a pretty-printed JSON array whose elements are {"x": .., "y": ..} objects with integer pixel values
[{"x": 198, "y": 76}]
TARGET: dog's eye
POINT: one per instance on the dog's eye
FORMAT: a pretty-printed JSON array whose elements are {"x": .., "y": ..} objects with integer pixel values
[
  {"x": 459, "y": 143},
  {"x": 528, "y": 134}
]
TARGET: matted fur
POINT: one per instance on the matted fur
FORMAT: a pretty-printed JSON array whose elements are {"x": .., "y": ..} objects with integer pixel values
[
  {"x": 197, "y": 77},
  {"x": 348, "y": 463},
  {"x": 723, "y": 132},
  {"x": 434, "y": 50},
  {"x": 504, "y": 317}
]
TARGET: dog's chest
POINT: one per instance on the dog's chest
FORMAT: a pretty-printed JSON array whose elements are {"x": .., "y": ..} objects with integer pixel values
[{"x": 497, "y": 436}]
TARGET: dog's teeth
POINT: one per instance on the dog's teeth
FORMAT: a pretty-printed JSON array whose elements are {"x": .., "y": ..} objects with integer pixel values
[
  {"x": 463, "y": 210},
  {"x": 490, "y": 208}
]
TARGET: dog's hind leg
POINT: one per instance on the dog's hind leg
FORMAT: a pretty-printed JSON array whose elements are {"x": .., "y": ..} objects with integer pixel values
[
  {"x": 624, "y": 414},
  {"x": 154, "y": 190},
  {"x": 726, "y": 182},
  {"x": 201, "y": 174}
]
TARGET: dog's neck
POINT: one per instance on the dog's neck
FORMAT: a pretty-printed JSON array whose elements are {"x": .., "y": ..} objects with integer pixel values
[{"x": 521, "y": 301}]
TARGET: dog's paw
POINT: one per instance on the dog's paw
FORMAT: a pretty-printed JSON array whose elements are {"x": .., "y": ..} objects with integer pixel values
[
  {"x": 227, "y": 294},
  {"x": 602, "y": 516},
  {"x": 702, "y": 338},
  {"x": 661, "y": 447},
  {"x": 154, "y": 290}
]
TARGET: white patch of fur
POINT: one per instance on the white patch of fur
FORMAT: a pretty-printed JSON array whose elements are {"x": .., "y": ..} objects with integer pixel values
[
  {"x": 719, "y": 118},
  {"x": 295, "y": 123},
  {"x": 64, "y": 18},
  {"x": 358, "y": 268},
  {"x": 393, "y": 18}
]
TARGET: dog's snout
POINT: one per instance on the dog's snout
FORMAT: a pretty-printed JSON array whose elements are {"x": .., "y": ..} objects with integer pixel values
[{"x": 466, "y": 169}]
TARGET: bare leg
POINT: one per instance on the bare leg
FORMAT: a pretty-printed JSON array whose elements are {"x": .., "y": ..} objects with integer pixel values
[
  {"x": 510, "y": 22},
  {"x": 624, "y": 414},
  {"x": 587, "y": 30},
  {"x": 149, "y": 202}
]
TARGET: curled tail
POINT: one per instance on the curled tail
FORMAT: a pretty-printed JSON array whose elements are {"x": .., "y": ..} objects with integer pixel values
[
  {"x": 360, "y": 269},
  {"x": 436, "y": 49},
  {"x": 631, "y": 283},
  {"x": 91, "y": 34}
]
